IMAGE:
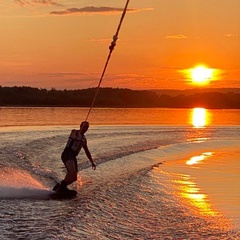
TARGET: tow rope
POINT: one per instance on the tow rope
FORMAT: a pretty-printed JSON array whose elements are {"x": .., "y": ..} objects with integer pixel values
[{"x": 111, "y": 48}]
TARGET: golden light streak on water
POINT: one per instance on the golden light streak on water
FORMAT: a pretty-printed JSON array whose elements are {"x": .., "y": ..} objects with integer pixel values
[
  {"x": 198, "y": 159},
  {"x": 200, "y": 117},
  {"x": 193, "y": 195}
]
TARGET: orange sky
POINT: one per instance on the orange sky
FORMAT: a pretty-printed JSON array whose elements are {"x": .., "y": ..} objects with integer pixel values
[{"x": 64, "y": 44}]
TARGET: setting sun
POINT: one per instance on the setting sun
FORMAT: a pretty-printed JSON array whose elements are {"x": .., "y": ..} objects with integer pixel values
[{"x": 201, "y": 74}]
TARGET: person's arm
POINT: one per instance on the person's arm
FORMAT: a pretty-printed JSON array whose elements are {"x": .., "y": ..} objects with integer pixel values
[{"x": 88, "y": 154}]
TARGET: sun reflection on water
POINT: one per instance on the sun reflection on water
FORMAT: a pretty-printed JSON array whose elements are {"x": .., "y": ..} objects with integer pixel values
[
  {"x": 198, "y": 159},
  {"x": 200, "y": 117},
  {"x": 191, "y": 192},
  {"x": 193, "y": 195}
]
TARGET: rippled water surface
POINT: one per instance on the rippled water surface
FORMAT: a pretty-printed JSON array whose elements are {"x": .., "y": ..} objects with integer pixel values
[{"x": 151, "y": 182}]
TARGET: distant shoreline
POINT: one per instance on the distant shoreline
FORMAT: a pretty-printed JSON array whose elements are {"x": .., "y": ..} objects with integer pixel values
[
  {"x": 99, "y": 107},
  {"x": 120, "y": 98}
]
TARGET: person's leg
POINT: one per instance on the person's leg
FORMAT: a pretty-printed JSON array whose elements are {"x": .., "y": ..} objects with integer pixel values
[{"x": 70, "y": 177}]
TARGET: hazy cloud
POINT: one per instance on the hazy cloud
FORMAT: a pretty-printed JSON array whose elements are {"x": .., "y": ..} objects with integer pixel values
[
  {"x": 64, "y": 75},
  {"x": 101, "y": 40},
  {"x": 90, "y": 9},
  {"x": 178, "y": 36},
  {"x": 37, "y": 2},
  {"x": 231, "y": 35}
]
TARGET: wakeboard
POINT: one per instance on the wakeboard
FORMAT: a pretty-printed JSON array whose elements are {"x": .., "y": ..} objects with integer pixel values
[{"x": 69, "y": 194}]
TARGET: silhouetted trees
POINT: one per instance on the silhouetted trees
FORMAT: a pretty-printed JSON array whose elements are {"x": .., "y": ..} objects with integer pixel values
[{"x": 115, "y": 97}]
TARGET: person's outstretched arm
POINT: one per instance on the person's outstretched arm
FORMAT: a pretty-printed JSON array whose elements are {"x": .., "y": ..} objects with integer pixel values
[{"x": 88, "y": 154}]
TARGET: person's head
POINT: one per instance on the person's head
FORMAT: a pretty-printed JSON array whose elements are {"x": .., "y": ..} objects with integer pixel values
[{"x": 84, "y": 126}]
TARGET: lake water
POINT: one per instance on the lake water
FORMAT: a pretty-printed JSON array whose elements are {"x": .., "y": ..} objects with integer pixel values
[
  {"x": 116, "y": 116},
  {"x": 161, "y": 174}
]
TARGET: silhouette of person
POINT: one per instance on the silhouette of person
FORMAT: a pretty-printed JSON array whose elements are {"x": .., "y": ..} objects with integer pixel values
[{"x": 75, "y": 143}]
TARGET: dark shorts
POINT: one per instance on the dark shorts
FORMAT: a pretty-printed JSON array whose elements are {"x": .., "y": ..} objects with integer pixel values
[{"x": 69, "y": 156}]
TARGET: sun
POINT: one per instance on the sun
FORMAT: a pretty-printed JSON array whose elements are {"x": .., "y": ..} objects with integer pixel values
[{"x": 201, "y": 74}]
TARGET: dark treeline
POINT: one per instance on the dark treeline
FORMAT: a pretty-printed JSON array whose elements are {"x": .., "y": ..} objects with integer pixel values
[{"x": 115, "y": 97}]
